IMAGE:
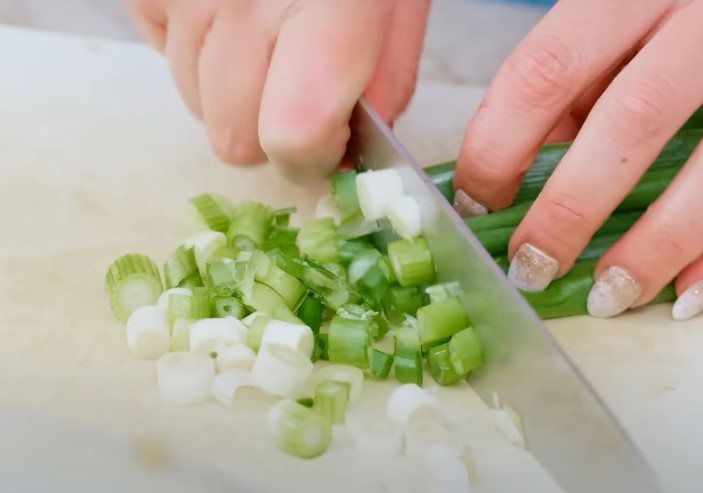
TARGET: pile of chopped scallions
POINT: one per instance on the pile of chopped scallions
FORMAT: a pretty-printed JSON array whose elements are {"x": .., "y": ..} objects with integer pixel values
[{"x": 250, "y": 301}]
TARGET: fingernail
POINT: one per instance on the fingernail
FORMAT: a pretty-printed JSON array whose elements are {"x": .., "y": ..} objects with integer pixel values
[
  {"x": 689, "y": 304},
  {"x": 614, "y": 292},
  {"x": 531, "y": 269},
  {"x": 466, "y": 206}
]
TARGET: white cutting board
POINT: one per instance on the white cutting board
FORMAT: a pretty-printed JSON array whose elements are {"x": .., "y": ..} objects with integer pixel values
[{"x": 97, "y": 158}]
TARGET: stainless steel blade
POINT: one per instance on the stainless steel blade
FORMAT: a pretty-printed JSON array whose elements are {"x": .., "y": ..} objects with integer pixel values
[{"x": 568, "y": 429}]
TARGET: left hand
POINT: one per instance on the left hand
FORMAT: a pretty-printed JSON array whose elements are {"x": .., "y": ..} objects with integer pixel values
[{"x": 620, "y": 78}]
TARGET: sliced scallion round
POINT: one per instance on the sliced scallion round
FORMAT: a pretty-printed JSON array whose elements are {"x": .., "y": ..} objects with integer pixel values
[
  {"x": 184, "y": 377},
  {"x": 163, "y": 300},
  {"x": 410, "y": 402},
  {"x": 212, "y": 210},
  {"x": 282, "y": 371},
  {"x": 331, "y": 400},
  {"x": 341, "y": 373},
  {"x": 228, "y": 383},
  {"x": 298, "y": 430},
  {"x": 204, "y": 245},
  {"x": 404, "y": 216},
  {"x": 132, "y": 281},
  {"x": 412, "y": 261},
  {"x": 295, "y": 336},
  {"x": 375, "y": 189},
  {"x": 210, "y": 334},
  {"x": 319, "y": 240},
  {"x": 465, "y": 351},
  {"x": 180, "y": 333},
  {"x": 148, "y": 332},
  {"x": 180, "y": 266},
  {"x": 237, "y": 357}
]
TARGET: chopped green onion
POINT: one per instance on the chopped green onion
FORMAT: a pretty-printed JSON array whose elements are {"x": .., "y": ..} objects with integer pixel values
[
  {"x": 212, "y": 211},
  {"x": 250, "y": 225},
  {"x": 264, "y": 299},
  {"x": 225, "y": 252},
  {"x": 282, "y": 238},
  {"x": 465, "y": 351},
  {"x": 409, "y": 403},
  {"x": 373, "y": 285},
  {"x": 353, "y": 249},
  {"x": 210, "y": 334},
  {"x": 281, "y": 371},
  {"x": 384, "y": 263},
  {"x": 285, "y": 285},
  {"x": 204, "y": 245},
  {"x": 306, "y": 401},
  {"x": 132, "y": 281},
  {"x": 440, "y": 365},
  {"x": 179, "y": 266},
  {"x": 344, "y": 193},
  {"x": 401, "y": 301},
  {"x": 221, "y": 273},
  {"x": 341, "y": 373},
  {"x": 238, "y": 357},
  {"x": 380, "y": 363},
  {"x": 195, "y": 306},
  {"x": 296, "y": 336},
  {"x": 310, "y": 312},
  {"x": 228, "y": 384},
  {"x": 281, "y": 217},
  {"x": 375, "y": 190},
  {"x": 148, "y": 332},
  {"x": 228, "y": 306},
  {"x": 439, "y": 321},
  {"x": 412, "y": 261},
  {"x": 318, "y": 239},
  {"x": 407, "y": 355},
  {"x": 180, "y": 333},
  {"x": 185, "y": 378},
  {"x": 332, "y": 399},
  {"x": 362, "y": 263},
  {"x": 405, "y": 218},
  {"x": 298, "y": 430},
  {"x": 440, "y": 292},
  {"x": 321, "y": 346},
  {"x": 163, "y": 299},
  {"x": 256, "y": 331},
  {"x": 192, "y": 281},
  {"x": 348, "y": 342}
]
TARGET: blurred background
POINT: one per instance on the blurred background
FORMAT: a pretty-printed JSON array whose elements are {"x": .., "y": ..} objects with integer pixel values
[{"x": 466, "y": 41}]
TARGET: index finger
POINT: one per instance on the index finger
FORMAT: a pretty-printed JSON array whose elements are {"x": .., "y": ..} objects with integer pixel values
[{"x": 570, "y": 49}]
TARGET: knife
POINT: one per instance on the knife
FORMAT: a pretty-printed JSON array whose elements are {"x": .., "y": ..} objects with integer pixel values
[{"x": 567, "y": 427}]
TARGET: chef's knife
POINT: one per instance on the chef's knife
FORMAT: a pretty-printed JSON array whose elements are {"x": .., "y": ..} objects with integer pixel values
[{"x": 567, "y": 427}]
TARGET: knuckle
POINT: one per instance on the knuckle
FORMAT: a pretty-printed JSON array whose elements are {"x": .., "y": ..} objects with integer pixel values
[
  {"x": 637, "y": 114},
  {"x": 544, "y": 72},
  {"x": 566, "y": 210}
]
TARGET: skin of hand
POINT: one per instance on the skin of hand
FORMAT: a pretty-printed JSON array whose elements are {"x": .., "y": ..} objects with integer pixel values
[
  {"x": 619, "y": 78},
  {"x": 277, "y": 80}
]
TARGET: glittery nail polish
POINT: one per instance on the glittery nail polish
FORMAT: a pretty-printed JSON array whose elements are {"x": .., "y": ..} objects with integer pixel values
[
  {"x": 531, "y": 269},
  {"x": 466, "y": 206},
  {"x": 614, "y": 291}
]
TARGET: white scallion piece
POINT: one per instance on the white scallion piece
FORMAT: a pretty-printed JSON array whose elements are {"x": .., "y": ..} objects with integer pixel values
[
  {"x": 185, "y": 377},
  {"x": 227, "y": 384},
  {"x": 404, "y": 216},
  {"x": 281, "y": 371},
  {"x": 164, "y": 298},
  {"x": 361, "y": 264},
  {"x": 410, "y": 402},
  {"x": 148, "y": 332},
  {"x": 508, "y": 422},
  {"x": 180, "y": 333},
  {"x": 378, "y": 439},
  {"x": 375, "y": 190},
  {"x": 249, "y": 319},
  {"x": 210, "y": 334},
  {"x": 341, "y": 373},
  {"x": 238, "y": 357},
  {"x": 447, "y": 472},
  {"x": 327, "y": 208},
  {"x": 421, "y": 433},
  {"x": 204, "y": 244},
  {"x": 298, "y": 430},
  {"x": 295, "y": 336}
]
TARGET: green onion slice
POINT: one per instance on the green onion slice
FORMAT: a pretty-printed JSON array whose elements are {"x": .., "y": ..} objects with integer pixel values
[{"x": 132, "y": 281}]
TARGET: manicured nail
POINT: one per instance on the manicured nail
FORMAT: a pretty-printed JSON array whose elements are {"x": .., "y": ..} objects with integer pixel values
[
  {"x": 689, "y": 304},
  {"x": 531, "y": 269},
  {"x": 466, "y": 206},
  {"x": 614, "y": 292}
]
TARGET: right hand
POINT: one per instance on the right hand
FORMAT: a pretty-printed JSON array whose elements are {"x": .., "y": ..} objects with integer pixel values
[{"x": 278, "y": 79}]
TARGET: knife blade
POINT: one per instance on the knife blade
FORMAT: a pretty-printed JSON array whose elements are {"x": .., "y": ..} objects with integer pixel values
[{"x": 567, "y": 427}]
